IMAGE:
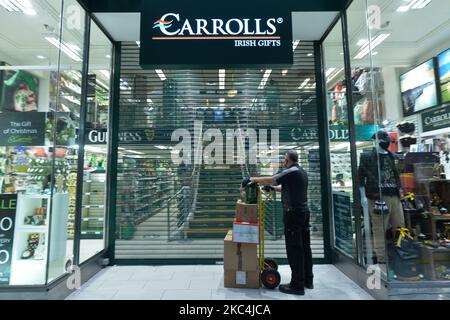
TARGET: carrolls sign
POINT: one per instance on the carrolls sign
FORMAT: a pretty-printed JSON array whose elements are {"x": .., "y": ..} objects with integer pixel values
[
  {"x": 201, "y": 36},
  {"x": 436, "y": 119},
  {"x": 234, "y": 29}
]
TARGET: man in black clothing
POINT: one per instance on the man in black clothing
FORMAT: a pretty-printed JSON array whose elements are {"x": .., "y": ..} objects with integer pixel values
[{"x": 293, "y": 184}]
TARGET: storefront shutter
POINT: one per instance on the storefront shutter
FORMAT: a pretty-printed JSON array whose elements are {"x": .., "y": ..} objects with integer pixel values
[{"x": 155, "y": 220}]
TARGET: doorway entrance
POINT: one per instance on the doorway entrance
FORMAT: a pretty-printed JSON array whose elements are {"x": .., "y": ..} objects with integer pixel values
[{"x": 169, "y": 212}]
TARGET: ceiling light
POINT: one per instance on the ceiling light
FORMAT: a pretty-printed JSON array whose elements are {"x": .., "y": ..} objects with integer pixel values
[
  {"x": 39, "y": 57},
  {"x": 160, "y": 74},
  {"x": 376, "y": 41},
  {"x": 403, "y": 9},
  {"x": 284, "y": 72},
  {"x": 222, "y": 79},
  {"x": 304, "y": 83},
  {"x": 264, "y": 79},
  {"x": 361, "y": 42},
  {"x": 309, "y": 54},
  {"x": 132, "y": 151},
  {"x": 95, "y": 149},
  {"x": 108, "y": 56},
  {"x": 295, "y": 44},
  {"x": 106, "y": 73},
  {"x": 101, "y": 84},
  {"x": 255, "y": 100},
  {"x": 414, "y": 4},
  {"x": 329, "y": 72},
  {"x": 138, "y": 43},
  {"x": 72, "y": 51},
  {"x": 161, "y": 147},
  {"x": 18, "y": 6},
  {"x": 232, "y": 93},
  {"x": 222, "y": 100},
  {"x": 335, "y": 75},
  {"x": 420, "y": 4}
]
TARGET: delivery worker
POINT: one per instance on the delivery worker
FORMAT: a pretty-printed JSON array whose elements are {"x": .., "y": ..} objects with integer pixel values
[{"x": 293, "y": 184}]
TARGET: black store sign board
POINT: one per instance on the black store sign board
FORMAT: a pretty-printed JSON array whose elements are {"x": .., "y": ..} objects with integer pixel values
[
  {"x": 130, "y": 136},
  {"x": 197, "y": 34},
  {"x": 8, "y": 203},
  {"x": 22, "y": 129},
  {"x": 343, "y": 222},
  {"x": 437, "y": 119}
]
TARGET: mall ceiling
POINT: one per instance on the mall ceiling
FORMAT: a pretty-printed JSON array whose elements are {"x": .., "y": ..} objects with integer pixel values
[
  {"x": 291, "y": 5},
  {"x": 413, "y": 35}
]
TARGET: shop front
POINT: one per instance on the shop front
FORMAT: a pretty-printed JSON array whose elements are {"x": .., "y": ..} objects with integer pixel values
[
  {"x": 55, "y": 87},
  {"x": 99, "y": 96},
  {"x": 385, "y": 65}
]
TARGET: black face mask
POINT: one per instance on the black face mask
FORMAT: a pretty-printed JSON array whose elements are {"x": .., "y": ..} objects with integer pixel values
[{"x": 384, "y": 145}]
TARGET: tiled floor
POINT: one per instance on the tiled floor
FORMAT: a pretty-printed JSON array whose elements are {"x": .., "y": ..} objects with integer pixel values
[{"x": 205, "y": 283}]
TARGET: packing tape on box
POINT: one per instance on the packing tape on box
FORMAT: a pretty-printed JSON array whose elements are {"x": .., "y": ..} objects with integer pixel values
[{"x": 239, "y": 254}]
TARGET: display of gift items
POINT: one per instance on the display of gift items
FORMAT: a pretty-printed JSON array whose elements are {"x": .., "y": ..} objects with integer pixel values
[
  {"x": 390, "y": 208},
  {"x": 35, "y": 247},
  {"x": 424, "y": 176}
]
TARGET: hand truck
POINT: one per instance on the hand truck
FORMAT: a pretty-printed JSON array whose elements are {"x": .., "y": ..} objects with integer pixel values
[{"x": 269, "y": 275}]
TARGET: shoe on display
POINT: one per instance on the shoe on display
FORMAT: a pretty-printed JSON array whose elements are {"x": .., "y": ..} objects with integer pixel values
[{"x": 286, "y": 288}]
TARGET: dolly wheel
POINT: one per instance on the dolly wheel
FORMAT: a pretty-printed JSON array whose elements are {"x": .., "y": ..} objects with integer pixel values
[
  {"x": 270, "y": 278},
  {"x": 270, "y": 263}
]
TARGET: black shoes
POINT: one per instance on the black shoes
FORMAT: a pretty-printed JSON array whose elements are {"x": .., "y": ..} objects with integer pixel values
[
  {"x": 309, "y": 286},
  {"x": 286, "y": 288}
]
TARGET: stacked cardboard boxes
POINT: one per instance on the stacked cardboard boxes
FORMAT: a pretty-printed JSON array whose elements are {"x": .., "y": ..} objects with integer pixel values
[{"x": 241, "y": 268}]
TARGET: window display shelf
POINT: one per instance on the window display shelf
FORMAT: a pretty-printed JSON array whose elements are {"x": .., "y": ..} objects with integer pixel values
[
  {"x": 88, "y": 206},
  {"x": 93, "y": 219},
  {"x": 95, "y": 193},
  {"x": 36, "y": 229},
  {"x": 32, "y": 271},
  {"x": 93, "y": 205}
]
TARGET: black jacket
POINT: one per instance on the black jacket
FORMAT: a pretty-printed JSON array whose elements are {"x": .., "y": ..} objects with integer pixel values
[
  {"x": 369, "y": 177},
  {"x": 294, "y": 188}
]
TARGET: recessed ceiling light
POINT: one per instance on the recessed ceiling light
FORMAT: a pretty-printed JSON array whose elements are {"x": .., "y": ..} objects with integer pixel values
[
  {"x": 160, "y": 74},
  {"x": 265, "y": 79},
  {"x": 295, "y": 44},
  {"x": 24, "y": 6},
  {"x": 71, "y": 50},
  {"x": 40, "y": 57},
  {"x": 304, "y": 83},
  {"x": 222, "y": 100},
  {"x": 376, "y": 41},
  {"x": 361, "y": 42},
  {"x": 222, "y": 79},
  {"x": 414, "y": 4},
  {"x": 309, "y": 54}
]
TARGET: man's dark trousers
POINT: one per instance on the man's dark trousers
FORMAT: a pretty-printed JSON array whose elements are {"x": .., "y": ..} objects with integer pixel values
[{"x": 298, "y": 247}]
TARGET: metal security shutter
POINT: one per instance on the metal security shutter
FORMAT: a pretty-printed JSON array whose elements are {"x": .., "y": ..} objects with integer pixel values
[{"x": 167, "y": 211}]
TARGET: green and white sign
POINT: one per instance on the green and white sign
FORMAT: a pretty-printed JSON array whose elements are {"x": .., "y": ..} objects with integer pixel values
[
  {"x": 436, "y": 119},
  {"x": 22, "y": 129},
  {"x": 8, "y": 204}
]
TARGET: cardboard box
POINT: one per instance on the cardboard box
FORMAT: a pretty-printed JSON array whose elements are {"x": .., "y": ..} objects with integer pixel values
[
  {"x": 241, "y": 279},
  {"x": 239, "y": 256},
  {"x": 246, "y": 212},
  {"x": 245, "y": 232}
]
